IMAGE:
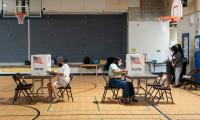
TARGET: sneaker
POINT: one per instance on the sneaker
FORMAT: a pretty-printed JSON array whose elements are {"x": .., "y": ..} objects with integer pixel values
[
  {"x": 134, "y": 100},
  {"x": 126, "y": 100},
  {"x": 176, "y": 86},
  {"x": 55, "y": 100}
]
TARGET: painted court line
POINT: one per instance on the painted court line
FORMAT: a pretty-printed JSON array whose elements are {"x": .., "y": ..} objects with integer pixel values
[
  {"x": 98, "y": 108},
  {"x": 50, "y": 104},
  {"x": 192, "y": 92},
  {"x": 167, "y": 117},
  {"x": 49, "y": 109},
  {"x": 37, "y": 111},
  {"x": 97, "y": 103}
]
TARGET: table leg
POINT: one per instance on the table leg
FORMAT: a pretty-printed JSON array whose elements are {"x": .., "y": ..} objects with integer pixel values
[
  {"x": 138, "y": 86},
  {"x": 49, "y": 80},
  {"x": 96, "y": 70},
  {"x": 42, "y": 85},
  {"x": 145, "y": 89},
  {"x": 40, "y": 88},
  {"x": 81, "y": 72},
  {"x": 33, "y": 81}
]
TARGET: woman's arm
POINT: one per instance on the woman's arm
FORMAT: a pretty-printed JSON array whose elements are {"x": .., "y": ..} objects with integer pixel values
[
  {"x": 56, "y": 73},
  {"x": 59, "y": 74},
  {"x": 119, "y": 71}
]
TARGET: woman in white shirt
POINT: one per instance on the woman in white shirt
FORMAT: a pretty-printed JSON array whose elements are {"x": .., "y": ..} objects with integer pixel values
[
  {"x": 63, "y": 74},
  {"x": 115, "y": 80}
]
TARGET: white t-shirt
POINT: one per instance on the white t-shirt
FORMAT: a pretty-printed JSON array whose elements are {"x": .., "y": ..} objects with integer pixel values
[
  {"x": 111, "y": 68},
  {"x": 64, "y": 80}
]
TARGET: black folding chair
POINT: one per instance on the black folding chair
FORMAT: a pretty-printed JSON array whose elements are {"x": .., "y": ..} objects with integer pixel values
[
  {"x": 22, "y": 87},
  {"x": 163, "y": 88},
  {"x": 157, "y": 82},
  {"x": 66, "y": 89},
  {"x": 107, "y": 87}
]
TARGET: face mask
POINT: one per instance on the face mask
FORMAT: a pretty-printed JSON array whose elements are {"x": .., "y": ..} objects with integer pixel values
[
  {"x": 119, "y": 63},
  {"x": 60, "y": 64}
]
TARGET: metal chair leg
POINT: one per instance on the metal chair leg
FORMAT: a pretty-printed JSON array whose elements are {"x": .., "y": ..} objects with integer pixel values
[
  {"x": 71, "y": 95},
  {"x": 166, "y": 95},
  {"x": 67, "y": 94},
  {"x": 15, "y": 97},
  {"x": 25, "y": 97},
  {"x": 171, "y": 96},
  {"x": 28, "y": 95},
  {"x": 160, "y": 97},
  {"x": 104, "y": 95}
]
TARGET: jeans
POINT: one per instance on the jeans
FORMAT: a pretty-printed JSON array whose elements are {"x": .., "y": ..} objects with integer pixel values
[
  {"x": 127, "y": 87},
  {"x": 177, "y": 75}
]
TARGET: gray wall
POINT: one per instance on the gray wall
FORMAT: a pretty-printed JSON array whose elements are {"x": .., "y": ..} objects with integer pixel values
[
  {"x": 71, "y": 36},
  {"x": 14, "y": 44}
]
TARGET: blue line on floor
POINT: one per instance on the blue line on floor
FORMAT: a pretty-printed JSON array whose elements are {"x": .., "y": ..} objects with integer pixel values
[
  {"x": 192, "y": 92},
  {"x": 161, "y": 112}
]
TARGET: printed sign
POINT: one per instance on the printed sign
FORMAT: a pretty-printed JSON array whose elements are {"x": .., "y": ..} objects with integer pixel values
[
  {"x": 135, "y": 64},
  {"x": 133, "y": 50},
  {"x": 197, "y": 40},
  {"x": 40, "y": 64}
]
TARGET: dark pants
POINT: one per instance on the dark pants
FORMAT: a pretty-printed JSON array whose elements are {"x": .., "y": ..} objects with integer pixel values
[
  {"x": 127, "y": 87},
  {"x": 183, "y": 72}
]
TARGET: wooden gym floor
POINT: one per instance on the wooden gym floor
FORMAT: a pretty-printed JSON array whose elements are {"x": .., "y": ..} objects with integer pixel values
[{"x": 86, "y": 106}]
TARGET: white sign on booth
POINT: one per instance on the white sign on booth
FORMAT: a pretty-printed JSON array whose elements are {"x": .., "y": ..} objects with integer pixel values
[
  {"x": 135, "y": 64},
  {"x": 40, "y": 64}
]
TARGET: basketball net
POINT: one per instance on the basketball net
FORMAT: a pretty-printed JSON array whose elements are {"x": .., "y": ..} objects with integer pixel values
[
  {"x": 171, "y": 19},
  {"x": 20, "y": 17},
  {"x": 176, "y": 13}
]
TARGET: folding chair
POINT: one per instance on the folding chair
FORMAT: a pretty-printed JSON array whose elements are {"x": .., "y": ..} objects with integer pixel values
[
  {"x": 163, "y": 88},
  {"x": 22, "y": 87},
  {"x": 190, "y": 79},
  {"x": 109, "y": 87},
  {"x": 157, "y": 82},
  {"x": 66, "y": 89}
]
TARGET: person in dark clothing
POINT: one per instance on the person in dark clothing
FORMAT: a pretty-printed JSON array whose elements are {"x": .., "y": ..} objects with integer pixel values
[
  {"x": 177, "y": 63},
  {"x": 183, "y": 72}
]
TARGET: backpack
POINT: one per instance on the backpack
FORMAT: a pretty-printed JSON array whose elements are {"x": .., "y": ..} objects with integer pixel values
[{"x": 86, "y": 60}]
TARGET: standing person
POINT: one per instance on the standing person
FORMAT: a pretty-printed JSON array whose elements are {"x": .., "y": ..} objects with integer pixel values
[
  {"x": 63, "y": 74},
  {"x": 115, "y": 80},
  {"x": 183, "y": 72},
  {"x": 169, "y": 68},
  {"x": 177, "y": 63}
]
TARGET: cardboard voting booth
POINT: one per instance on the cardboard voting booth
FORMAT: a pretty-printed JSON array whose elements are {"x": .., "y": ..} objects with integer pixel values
[
  {"x": 40, "y": 64},
  {"x": 135, "y": 64}
]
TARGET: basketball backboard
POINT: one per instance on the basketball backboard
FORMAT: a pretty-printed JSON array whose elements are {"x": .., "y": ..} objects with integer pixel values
[
  {"x": 177, "y": 9},
  {"x": 32, "y": 8}
]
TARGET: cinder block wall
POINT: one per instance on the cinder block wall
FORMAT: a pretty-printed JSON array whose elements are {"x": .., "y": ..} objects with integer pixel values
[{"x": 148, "y": 10}]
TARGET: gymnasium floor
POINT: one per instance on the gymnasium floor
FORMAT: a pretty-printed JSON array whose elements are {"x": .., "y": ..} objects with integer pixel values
[{"x": 87, "y": 95}]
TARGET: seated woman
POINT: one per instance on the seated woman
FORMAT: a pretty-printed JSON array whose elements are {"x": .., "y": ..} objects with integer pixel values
[
  {"x": 115, "y": 80},
  {"x": 63, "y": 74}
]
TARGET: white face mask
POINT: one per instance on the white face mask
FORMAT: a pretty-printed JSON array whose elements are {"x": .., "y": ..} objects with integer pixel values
[{"x": 119, "y": 63}]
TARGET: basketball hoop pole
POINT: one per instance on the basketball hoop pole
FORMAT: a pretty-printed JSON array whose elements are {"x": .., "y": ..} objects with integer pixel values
[
  {"x": 29, "y": 35},
  {"x": 29, "y": 40}
]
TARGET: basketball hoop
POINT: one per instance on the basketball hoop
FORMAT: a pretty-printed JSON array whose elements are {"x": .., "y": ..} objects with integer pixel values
[
  {"x": 176, "y": 14},
  {"x": 171, "y": 19},
  {"x": 20, "y": 17}
]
